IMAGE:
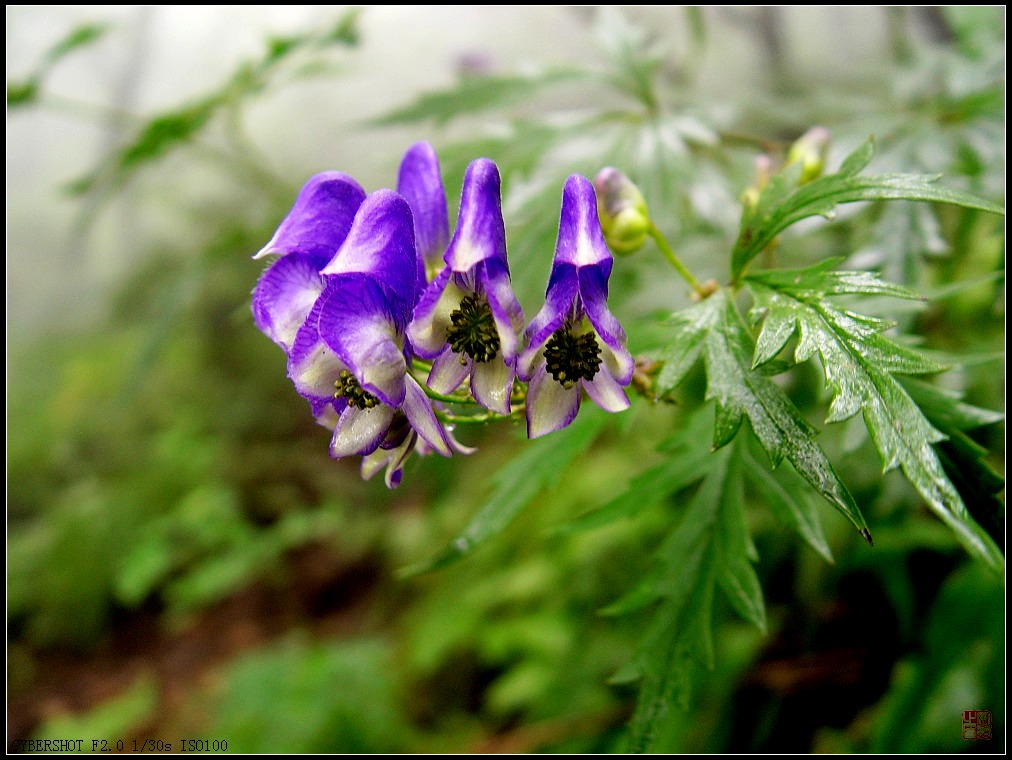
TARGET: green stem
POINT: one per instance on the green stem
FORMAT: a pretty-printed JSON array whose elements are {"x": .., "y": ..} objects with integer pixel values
[
  {"x": 478, "y": 419},
  {"x": 450, "y": 399},
  {"x": 672, "y": 257}
]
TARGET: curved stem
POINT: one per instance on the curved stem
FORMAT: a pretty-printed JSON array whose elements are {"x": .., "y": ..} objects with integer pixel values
[
  {"x": 478, "y": 419},
  {"x": 448, "y": 398},
  {"x": 673, "y": 259}
]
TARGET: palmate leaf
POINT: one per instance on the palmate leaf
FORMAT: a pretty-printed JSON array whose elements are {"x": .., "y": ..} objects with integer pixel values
[
  {"x": 714, "y": 329},
  {"x": 783, "y": 202},
  {"x": 711, "y": 547},
  {"x": 474, "y": 95},
  {"x": 859, "y": 363}
]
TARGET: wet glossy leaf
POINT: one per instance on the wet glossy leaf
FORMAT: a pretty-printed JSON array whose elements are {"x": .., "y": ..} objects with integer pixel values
[
  {"x": 859, "y": 362},
  {"x": 710, "y": 547},
  {"x": 715, "y": 329},
  {"x": 783, "y": 202}
]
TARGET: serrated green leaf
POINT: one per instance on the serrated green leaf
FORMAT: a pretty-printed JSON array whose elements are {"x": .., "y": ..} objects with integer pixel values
[
  {"x": 962, "y": 458},
  {"x": 163, "y": 131},
  {"x": 474, "y": 95},
  {"x": 710, "y": 547},
  {"x": 946, "y": 409},
  {"x": 540, "y": 466},
  {"x": 685, "y": 548},
  {"x": 176, "y": 127},
  {"x": 736, "y": 576},
  {"x": 741, "y": 391},
  {"x": 691, "y": 327},
  {"x": 783, "y": 203},
  {"x": 826, "y": 279},
  {"x": 788, "y": 504},
  {"x": 858, "y": 363}
]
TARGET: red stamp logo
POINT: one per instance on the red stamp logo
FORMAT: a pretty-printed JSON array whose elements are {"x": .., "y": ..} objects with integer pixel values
[{"x": 977, "y": 724}]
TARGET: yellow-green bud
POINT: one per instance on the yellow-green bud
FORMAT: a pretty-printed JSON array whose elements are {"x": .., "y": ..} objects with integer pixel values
[
  {"x": 763, "y": 172},
  {"x": 810, "y": 151},
  {"x": 625, "y": 218}
]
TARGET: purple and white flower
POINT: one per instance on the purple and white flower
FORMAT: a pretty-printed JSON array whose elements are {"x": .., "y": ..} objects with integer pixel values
[
  {"x": 575, "y": 343},
  {"x": 420, "y": 183},
  {"x": 350, "y": 355},
  {"x": 468, "y": 320},
  {"x": 306, "y": 240}
]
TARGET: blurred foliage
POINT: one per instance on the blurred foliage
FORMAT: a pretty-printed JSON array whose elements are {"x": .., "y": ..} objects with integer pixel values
[{"x": 620, "y": 585}]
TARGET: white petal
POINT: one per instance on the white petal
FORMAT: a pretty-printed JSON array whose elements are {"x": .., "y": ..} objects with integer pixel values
[
  {"x": 491, "y": 383},
  {"x": 314, "y": 374},
  {"x": 550, "y": 407},
  {"x": 605, "y": 391},
  {"x": 447, "y": 372},
  {"x": 360, "y": 431}
]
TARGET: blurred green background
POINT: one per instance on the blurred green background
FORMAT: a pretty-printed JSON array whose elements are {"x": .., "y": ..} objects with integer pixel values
[{"x": 186, "y": 561}]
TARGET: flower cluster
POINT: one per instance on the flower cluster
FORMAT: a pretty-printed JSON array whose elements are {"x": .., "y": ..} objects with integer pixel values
[{"x": 387, "y": 320}]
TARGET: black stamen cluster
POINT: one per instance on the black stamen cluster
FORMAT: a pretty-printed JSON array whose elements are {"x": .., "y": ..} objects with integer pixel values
[
  {"x": 346, "y": 386},
  {"x": 570, "y": 358},
  {"x": 472, "y": 331}
]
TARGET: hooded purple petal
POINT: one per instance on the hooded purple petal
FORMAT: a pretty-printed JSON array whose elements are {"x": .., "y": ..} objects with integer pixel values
[
  {"x": 285, "y": 295},
  {"x": 480, "y": 233},
  {"x": 421, "y": 184},
  {"x": 581, "y": 242},
  {"x": 320, "y": 219},
  {"x": 312, "y": 365},
  {"x": 574, "y": 319},
  {"x": 381, "y": 244},
  {"x": 357, "y": 323}
]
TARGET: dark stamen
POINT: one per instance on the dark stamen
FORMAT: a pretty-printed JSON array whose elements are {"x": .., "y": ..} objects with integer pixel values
[
  {"x": 571, "y": 358},
  {"x": 346, "y": 386},
  {"x": 472, "y": 331}
]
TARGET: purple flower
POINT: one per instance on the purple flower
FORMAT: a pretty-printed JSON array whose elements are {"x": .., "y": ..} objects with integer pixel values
[
  {"x": 318, "y": 224},
  {"x": 421, "y": 184},
  {"x": 468, "y": 320},
  {"x": 306, "y": 240},
  {"x": 350, "y": 357},
  {"x": 575, "y": 343}
]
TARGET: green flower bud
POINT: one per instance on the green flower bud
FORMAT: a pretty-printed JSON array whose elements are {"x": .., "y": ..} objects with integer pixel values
[
  {"x": 810, "y": 150},
  {"x": 763, "y": 172},
  {"x": 625, "y": 218}
]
